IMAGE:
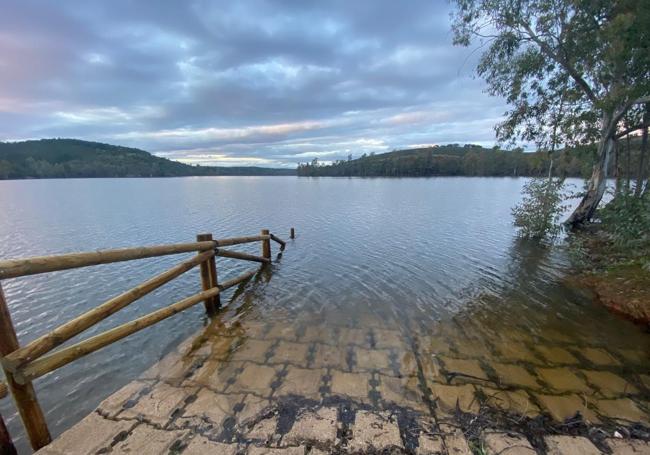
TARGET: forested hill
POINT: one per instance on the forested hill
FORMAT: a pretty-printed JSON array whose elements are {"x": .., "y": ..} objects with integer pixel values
[
  {"x": 60, "y": 158},
  {"x": 470, "y": 160}
]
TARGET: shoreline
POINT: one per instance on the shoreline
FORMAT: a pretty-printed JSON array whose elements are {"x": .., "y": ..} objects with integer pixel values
[{"x": 617, "y": 280}]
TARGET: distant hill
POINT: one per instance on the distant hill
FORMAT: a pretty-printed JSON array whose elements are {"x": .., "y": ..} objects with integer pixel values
[
  {"x": 61, "y": 158},
  {"x": 468, "y": 160}
]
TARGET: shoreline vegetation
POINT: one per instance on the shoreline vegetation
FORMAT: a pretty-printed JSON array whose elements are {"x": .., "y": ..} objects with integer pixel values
[
  {"x": 469, "y": 160},
  {"x": 73, "y": 158},
  {"x": 614, "y": 264}
]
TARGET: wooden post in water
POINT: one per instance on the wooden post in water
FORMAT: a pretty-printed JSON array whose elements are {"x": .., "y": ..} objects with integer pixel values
[
  {"x": 292, "y": 235},
  {"x": 7, "y": 446},
  {"x": 266, "y": 245},
  {"x": 24, "y": 394},
  {"x": 209, "y": 278}
]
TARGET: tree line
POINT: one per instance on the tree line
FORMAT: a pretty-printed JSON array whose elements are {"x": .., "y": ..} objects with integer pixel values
[
  {"x": 66, "y": 158},
  {"x": 472, "y": 160}
]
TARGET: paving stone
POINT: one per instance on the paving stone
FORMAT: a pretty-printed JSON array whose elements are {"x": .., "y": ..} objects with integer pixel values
[
  {"x": 568, "y": 445},
  {"x": 215, "y": 374},
  {"x": 470, "y": 347},
  {"x": 645, "y": 379},
  {"x": 430, "y": 440},
  {"x": 609, "y": 384},
  {"x": 317, "y": 427},
  {"x": 318, "y": 334},
  {"x": 563, "y": 380},
  {"x": 253, "y": 408},
  {"x": 295, "y": 353},
  {"x": 555, "y": 354},
  {"x": 126, "y": 396},
  {"x": 561, "y": 407},
  {"x": 315, "y": 451},
  {"x": 599, "y": 356},
  {"x": 466, "y": 370},
  {"x": 253, "y": 350},
  {"x": 431, "y": 368},
  {"x": 210, "y": 409},
  {"x": 374, "y": 431},
  {"x": 635, "y": 356},
  {"x": 201, "y": 446},
  {"x": 357, "y": 337},
  {"x": 364, "y": 319},
  {"x": 448, "y": 396},
  {"x": 88, "y": 436},
  {"x": 403, "y": 391},
  {"x": 514, "y": 374},
  {"x": 515, "y": 401},
  {"x": 507, "y": 444},
  {"x": 433, "y": 345},
  {"x": 408, "y": 365},
  {"x": 253, "y": 450},
  {"x": 622, "y": 409},
  {"x": 516, "y": 352},
  {"x": 283, "y": 332},
  {"x": 327, "y": 356},
  {"x": 372, "y": 359},
  {"x": 455, "y": 441},
  {"x": 263, "y": 430},
  {"x": 172, "y": 368},
  {"x": 628, "y": 446},
  {"x": 388, "y": 339},
  {"x": 158, "y": 405},
  {"x": 254, "y": 329},
  {"x": 146, "y": 440},
  {"x": 303, "y": 382},
  {"x": 353, "y": 385},
  {"x": 556, "y": 336},
  {"x": 430, "y": 444},
  {"x": 255, "y": 379}
]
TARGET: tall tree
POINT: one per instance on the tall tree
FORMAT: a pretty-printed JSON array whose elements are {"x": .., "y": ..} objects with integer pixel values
[{"x": 534, "y": 49}]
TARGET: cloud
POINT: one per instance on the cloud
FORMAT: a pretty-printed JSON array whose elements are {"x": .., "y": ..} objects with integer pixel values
[{"x": 256, "y": 82}]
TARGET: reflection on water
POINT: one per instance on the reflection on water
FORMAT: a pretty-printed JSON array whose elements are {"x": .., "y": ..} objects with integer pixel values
[{"x": 396, "y": 290}]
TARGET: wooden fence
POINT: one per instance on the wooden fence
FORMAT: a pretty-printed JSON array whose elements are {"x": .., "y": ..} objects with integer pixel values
[{"x": 22, "y": 365}]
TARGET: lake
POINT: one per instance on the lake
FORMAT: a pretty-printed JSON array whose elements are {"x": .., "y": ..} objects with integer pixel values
[{"x": 436, "y": 255}]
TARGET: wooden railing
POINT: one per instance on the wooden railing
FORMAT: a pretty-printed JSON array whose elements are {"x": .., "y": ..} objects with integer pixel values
[{"x": 22, "y": 365}]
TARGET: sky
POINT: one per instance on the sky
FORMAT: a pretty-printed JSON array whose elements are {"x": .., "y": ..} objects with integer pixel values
[{"x": 263, "y": 83}]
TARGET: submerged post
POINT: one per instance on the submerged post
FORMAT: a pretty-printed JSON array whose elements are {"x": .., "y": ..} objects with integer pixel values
[
  {"x": 7, "y": 446},
  {"x": 266, "y": 245},
  {"x": 292, "y": 235},
  {"x": 209, "y": 278},
  {"x": 23, "y": 394}
]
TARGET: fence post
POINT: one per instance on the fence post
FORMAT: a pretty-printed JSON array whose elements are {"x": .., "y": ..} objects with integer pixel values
[
  {"x": 23, "y": 394},
  {"x": 7, "y": 446},
  {"x": 209, "y": 278},
  {"x": 266, "y": 245}
]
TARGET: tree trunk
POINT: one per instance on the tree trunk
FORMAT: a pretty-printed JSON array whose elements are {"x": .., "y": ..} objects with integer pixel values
[
  {"x": 617, "y": 167},
  {"x": 628, "y": 167},
  {"x": 641, "y": 174},
  {"x": 598, "y": 181}
]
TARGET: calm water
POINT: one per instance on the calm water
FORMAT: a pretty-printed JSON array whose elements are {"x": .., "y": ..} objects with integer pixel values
[{"x": 415, "y": 253}]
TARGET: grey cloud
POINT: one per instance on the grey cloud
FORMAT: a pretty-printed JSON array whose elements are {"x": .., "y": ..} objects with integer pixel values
[{"x": 226, "y": 82}]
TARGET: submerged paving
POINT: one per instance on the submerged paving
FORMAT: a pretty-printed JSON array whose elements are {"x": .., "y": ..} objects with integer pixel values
[{"x": 313, "y": 387}]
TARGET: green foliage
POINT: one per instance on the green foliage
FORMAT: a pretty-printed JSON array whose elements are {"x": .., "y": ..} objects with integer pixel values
[
  {"x": 626, "y": 220},
  {"x": 588, "y": 56},
  {"x": 537, "y": 216},
  {"x": 469, "y": 160},
  {"x": 60, "y": 158}
]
